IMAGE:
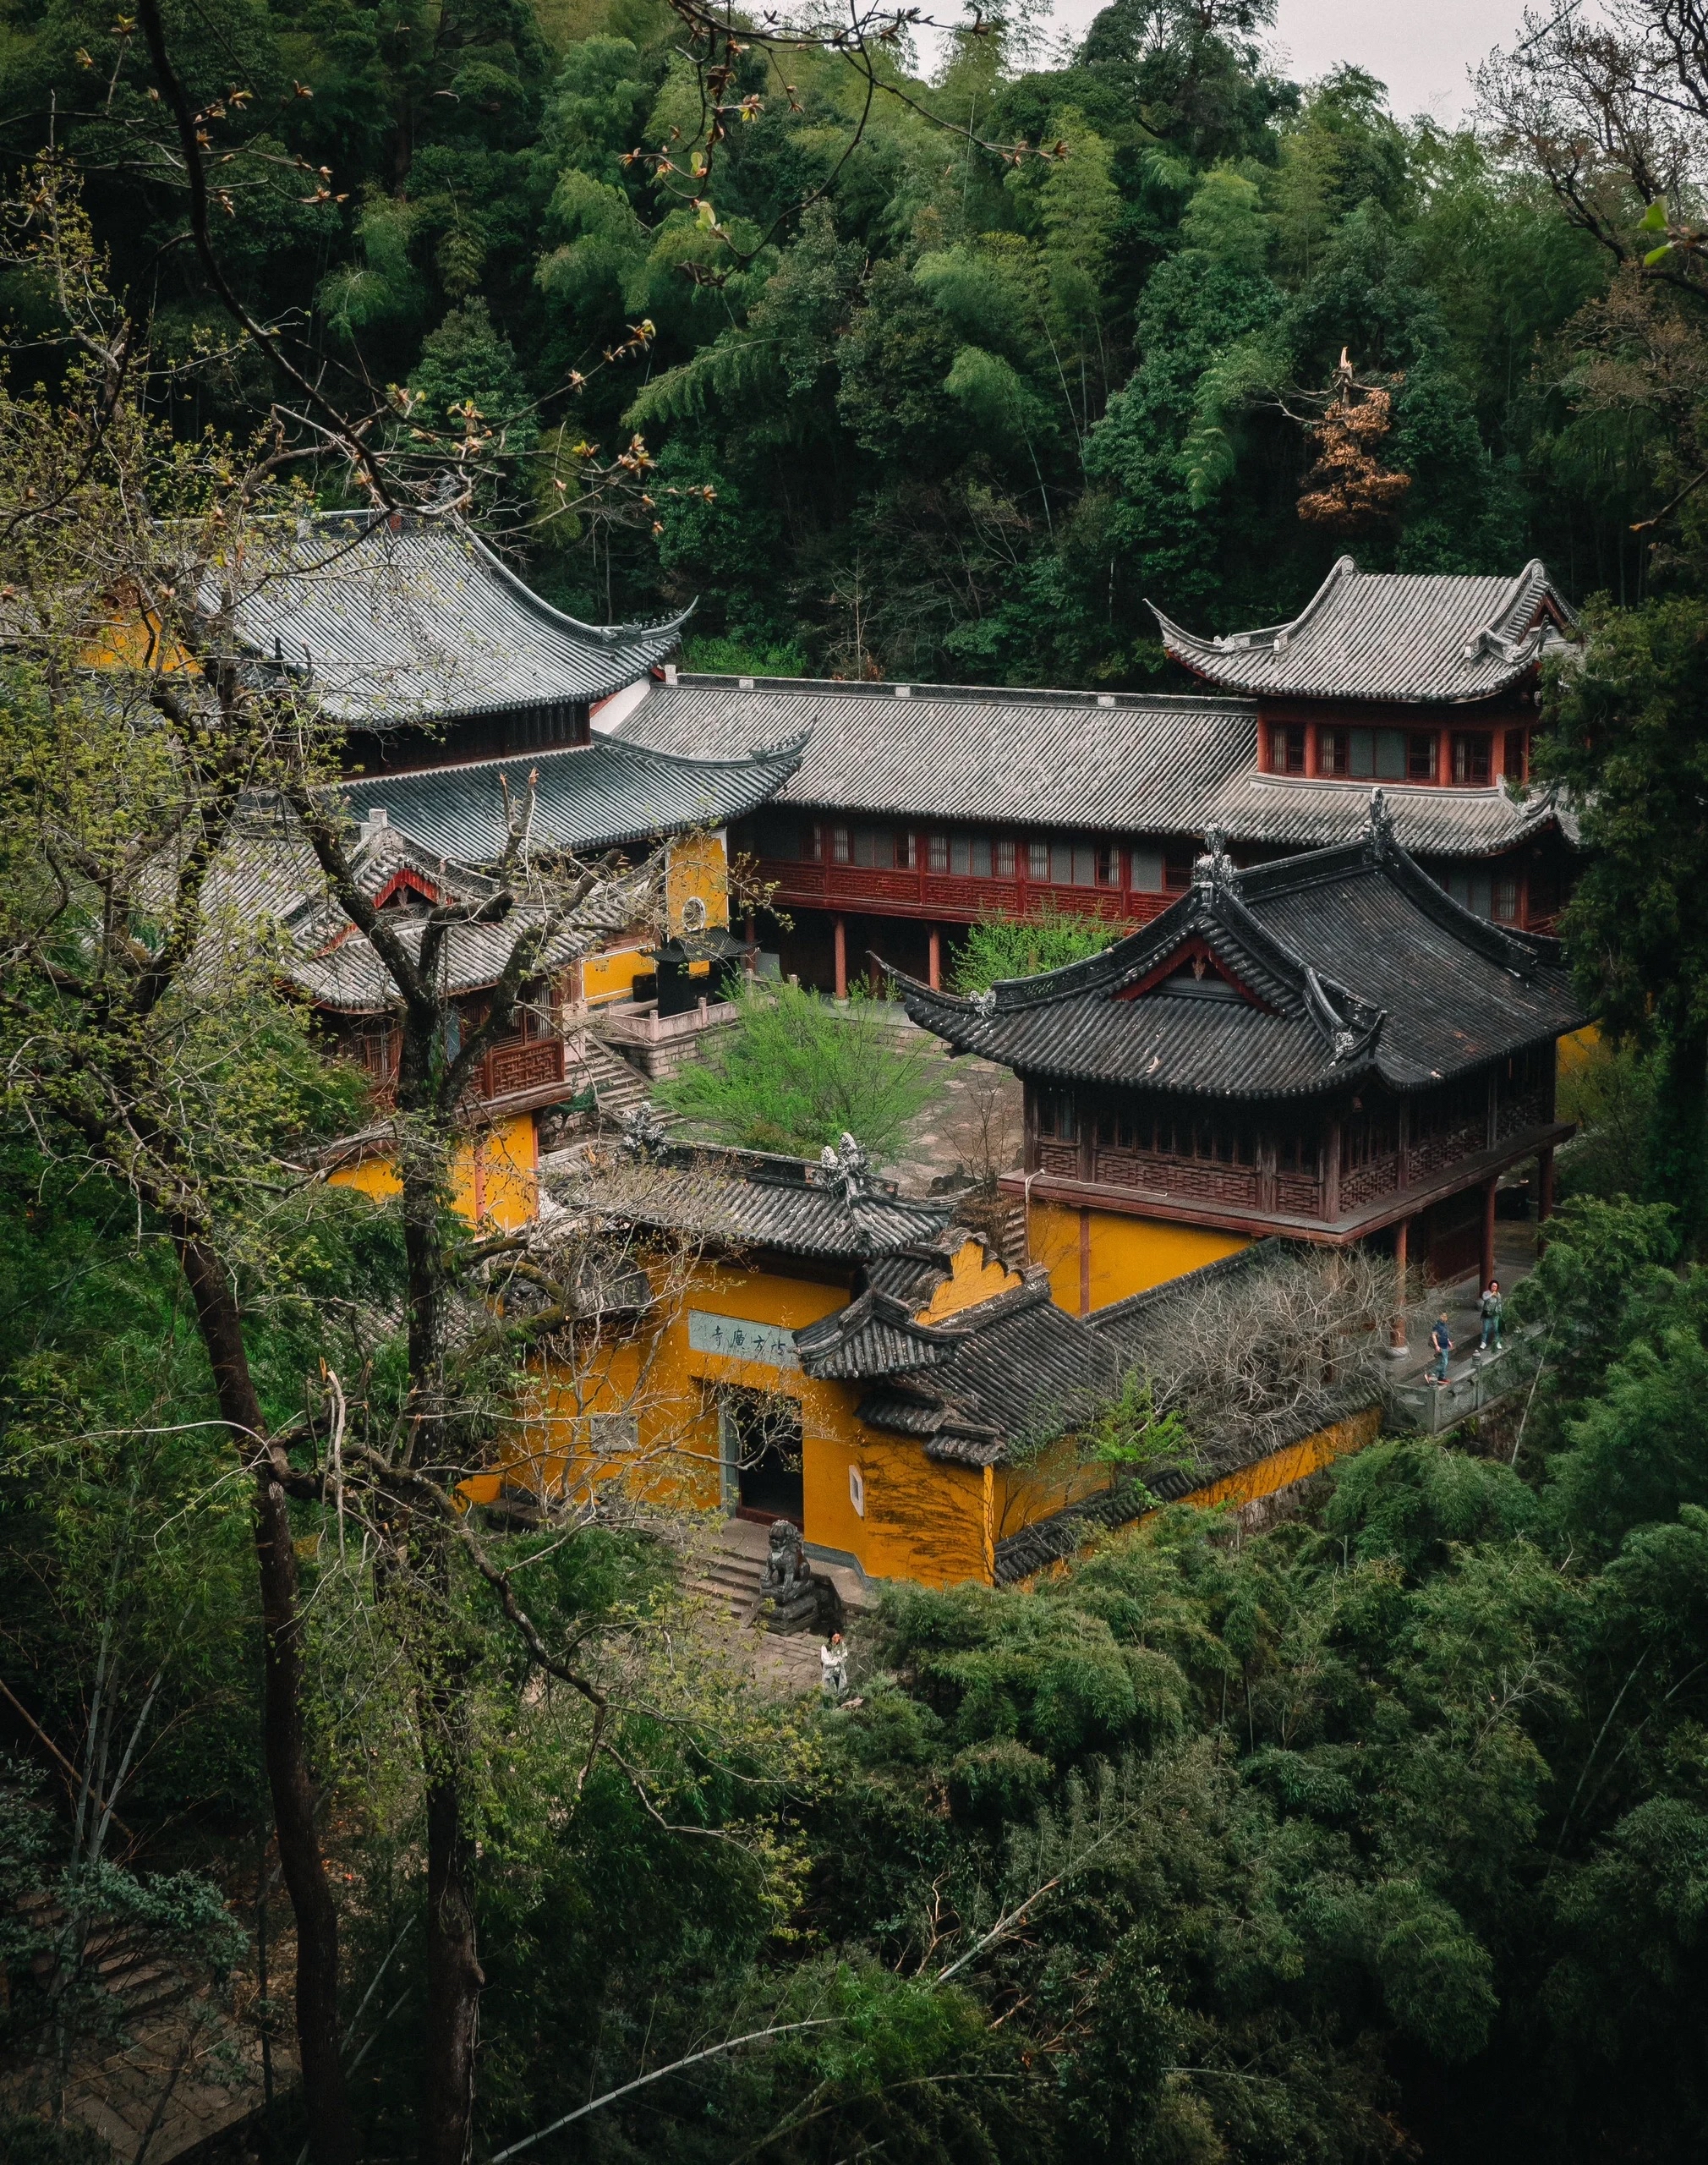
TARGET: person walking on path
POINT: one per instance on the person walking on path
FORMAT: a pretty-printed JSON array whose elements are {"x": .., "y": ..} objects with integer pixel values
[
  {"x": 1441, "y": 1340},
  {"x": 1493, "y": 1307}
]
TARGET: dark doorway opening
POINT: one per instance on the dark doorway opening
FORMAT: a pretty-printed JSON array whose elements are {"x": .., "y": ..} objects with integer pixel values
[{"x": 763, "y": 1435}]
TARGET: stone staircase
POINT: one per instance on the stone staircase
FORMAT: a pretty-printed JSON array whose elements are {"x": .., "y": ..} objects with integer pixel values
[
  {"x": 616, "y": 1087},
  {"x": 731, "y": 1576}
]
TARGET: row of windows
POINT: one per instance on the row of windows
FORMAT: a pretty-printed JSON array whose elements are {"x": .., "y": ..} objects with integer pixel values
[
  {"x": 1400, "y": 754},
  {"x": 1208, "y": 1138},
  {"x": 1058, "y": 861}
]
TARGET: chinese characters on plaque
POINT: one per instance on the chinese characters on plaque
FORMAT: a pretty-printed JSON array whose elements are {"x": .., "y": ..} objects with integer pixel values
[{"x": 736, "y": 1338}]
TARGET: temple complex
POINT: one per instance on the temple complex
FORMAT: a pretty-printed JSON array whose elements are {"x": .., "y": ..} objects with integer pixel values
[
  {"x": 1333, "y": 1025},
  {"x": 918, "y": 809}
]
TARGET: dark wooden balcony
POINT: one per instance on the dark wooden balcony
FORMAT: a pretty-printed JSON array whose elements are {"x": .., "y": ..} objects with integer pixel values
[{"x": 947, "y": 897}]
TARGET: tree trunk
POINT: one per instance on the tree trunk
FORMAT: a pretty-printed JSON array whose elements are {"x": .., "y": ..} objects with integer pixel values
[
  {"x": 332, "y": 2136},
  {"x": 454, "y": 1978}
]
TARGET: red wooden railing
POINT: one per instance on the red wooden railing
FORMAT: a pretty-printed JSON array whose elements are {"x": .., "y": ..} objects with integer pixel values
[{"x": 948, "y": 896}]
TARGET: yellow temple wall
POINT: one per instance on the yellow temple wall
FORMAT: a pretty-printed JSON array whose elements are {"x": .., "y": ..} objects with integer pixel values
[
  {"x": 611, "y": 975},
  {"x": 494, "y": 1178},
  {"x": 1057, "y": 1478},
  {"x": 1577, "y": 1048},
  {"x": 1127, "y": 1255},
  {"x": 696, "y": 868}
]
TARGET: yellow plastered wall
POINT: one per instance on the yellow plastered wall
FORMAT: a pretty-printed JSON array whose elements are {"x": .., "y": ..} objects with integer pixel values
[
  {"x": 494, "y": 1178},
  {"x": 1127, "y": 1255},
  {"x": 1297, "y": 1462},
  {"x": 1057, "y": 1478},
  {"x": 1572, "y": 1052},
  {"x": 923, "y": 1520},
  {"x": 1266, "y": 1476},
  {"x": 698, "y": 866},
  {"x": 975, "y": 1274},
  {"x": 611, "y": 975},
  {"x": 916, "y": 1518}
]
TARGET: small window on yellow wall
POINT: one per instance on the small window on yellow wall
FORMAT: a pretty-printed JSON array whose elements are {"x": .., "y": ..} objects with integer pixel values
[
  {"x": 609, "y": 1433},
  {"x": 857, "y": 1491}
]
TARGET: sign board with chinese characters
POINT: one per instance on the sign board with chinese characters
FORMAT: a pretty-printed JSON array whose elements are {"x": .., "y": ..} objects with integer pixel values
[{"x": 735, "y": 1338}]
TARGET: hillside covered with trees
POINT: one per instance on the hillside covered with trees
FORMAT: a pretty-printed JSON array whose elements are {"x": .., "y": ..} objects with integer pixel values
[
  {"x": 944, "y": 382},
  {"x": 1380, "y": 1835}
]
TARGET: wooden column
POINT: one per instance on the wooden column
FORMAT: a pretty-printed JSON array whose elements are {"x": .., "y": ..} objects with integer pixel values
[
  {"x": 841, "y": 932},
  {"x": 1330, "y": 1172},
  {"x": 935, "y": 971},
  {"x": 1396, "y": 1339},
  {"x": 1545, "y": 1185},
  {"x": 1490, "y": 1188}
]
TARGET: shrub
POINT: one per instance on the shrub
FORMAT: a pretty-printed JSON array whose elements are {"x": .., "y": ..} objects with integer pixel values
[
  {"x": 1023, "y": 946},
  {"x": 795, "y": 1071}
]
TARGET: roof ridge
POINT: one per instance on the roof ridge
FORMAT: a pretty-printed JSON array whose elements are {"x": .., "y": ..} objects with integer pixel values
[
  {"x": 1343, "y": 567},
  {"x": 610, "y": 635},
  {"x": 1001, "y": 694}
]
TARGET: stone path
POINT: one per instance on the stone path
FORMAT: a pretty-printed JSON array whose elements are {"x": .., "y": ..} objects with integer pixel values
[
  {"x": 975, "y": 1127},
  {"x": 1515, "y": 1258}
]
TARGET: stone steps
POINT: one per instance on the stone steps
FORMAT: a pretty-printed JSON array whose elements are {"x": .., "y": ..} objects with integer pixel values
[
  {"x": 617, "y": 1088},
  {"x": 732, "y": 1579}
]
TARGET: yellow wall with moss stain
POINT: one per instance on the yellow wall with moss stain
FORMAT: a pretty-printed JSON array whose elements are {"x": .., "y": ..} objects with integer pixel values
[
  {"x": 1297, "y": 1462},
  {"x": 611, "y": 975},
  {"x": 697, "y": 866},
  {"x": 1127, "y": 1255},
  {"x": 494, "y": 1178},
  {"x": 1057, "y": 1478}
]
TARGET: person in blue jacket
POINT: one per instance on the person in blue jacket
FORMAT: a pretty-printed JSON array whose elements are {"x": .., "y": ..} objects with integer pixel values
[{"x": 1442, "y": 1340}]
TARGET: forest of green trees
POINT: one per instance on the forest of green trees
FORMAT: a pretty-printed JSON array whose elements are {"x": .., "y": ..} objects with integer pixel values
[
  {"x": 961, "y": 410},
  {"x": 1381, "y": 1835}
]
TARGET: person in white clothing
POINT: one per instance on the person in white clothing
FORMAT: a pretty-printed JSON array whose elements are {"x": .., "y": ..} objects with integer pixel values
[{"x": 834, "y": 1660}]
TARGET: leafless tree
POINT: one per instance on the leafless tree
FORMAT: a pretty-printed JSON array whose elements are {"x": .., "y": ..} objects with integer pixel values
[{"x": 1255, "y": 1359}]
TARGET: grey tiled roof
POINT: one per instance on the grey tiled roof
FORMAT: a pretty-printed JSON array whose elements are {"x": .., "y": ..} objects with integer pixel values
[
  {"x": 1118, "y": 763},
  {"x": 1356, "y": 961},
  {"x": 758, "y": 1199},
  {"x": 271, "y": 877},
  {"x": 874, "y": 1336},
  {"x": 424, "y": 622},
  {"x": 1017, "y": 1370},
  {"x": 1386, "y": 635},
  {"x": 589, "y": 797}
]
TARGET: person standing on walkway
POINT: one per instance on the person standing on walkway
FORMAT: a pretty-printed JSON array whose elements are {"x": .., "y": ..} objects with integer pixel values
[
  {"x": 834, "y": 1660},
  {"x": 1493, "y": 1307},
  {"x": 1441, "y": 1339}
]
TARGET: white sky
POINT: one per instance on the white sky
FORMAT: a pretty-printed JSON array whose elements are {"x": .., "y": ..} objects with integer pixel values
[{"x": 1421, "y": 49}]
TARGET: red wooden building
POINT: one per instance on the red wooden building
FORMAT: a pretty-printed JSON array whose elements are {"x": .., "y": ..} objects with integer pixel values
[{"x": 918, "y": 809}]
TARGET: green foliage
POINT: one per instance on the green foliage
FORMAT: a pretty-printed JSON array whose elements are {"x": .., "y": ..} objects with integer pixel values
[
  {"x": 1629, "y": 743},
  {"x": 1001, "y": 403},
  {"x": 1129, "y": 1432},
  {"x": 795, "y": 1071},
  {"x": 1000, "y": 947}
]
